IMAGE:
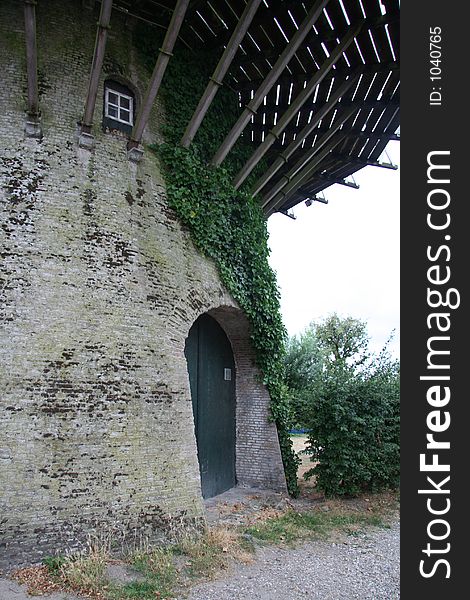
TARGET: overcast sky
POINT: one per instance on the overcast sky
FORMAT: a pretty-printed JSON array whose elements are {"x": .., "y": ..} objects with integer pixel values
[{"x": 343, "y": 256}]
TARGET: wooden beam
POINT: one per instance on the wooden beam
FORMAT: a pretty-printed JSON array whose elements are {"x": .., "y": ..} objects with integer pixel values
[
  {"x": 220, "y": 71},
  {"x": 307, "y": 157},
  {"x": 32, "y": 128},
  {"x": 270, "y": 110},
  {"x": 149, "y": 21},
  {"x": 365, "y": 163},
  {"x": 305, "y": 132},
  {"x": 158, "y": 72},
  {"x": 367, "y": 134},
  {"x": 337, "y": 171},
  {"x": 302, "y": 176},
  {"x": 333, "y": 180},
  {"x": 376, "y": 163},
  {"x": 269, "y": 81},
  {"x": 387, "y": 122},
  {"x": 295, "y": 106},
  {"x": 259, "y": 58},
  {"x": 300, "y": 79},
  {"x": 288, "y": 214},
  {"x": 97, "y": 64}
]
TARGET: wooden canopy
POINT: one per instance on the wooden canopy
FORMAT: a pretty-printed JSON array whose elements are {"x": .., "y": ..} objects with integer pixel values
[{"x": 317, "y": 80}]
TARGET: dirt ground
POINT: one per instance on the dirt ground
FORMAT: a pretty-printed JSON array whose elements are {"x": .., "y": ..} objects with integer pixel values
[
  {"x": 307, "y": 487},
  {"x": 299, "y": 443}
]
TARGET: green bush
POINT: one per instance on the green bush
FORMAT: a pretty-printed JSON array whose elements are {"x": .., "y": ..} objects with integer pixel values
[
  {"x": 348, "y": 399},
  {"x": 355, "y": 431}
]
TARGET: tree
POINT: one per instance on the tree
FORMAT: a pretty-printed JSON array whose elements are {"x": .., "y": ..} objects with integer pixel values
[
  {"x": 342, "y": 339},
  {"x": 348, "y": 398}
]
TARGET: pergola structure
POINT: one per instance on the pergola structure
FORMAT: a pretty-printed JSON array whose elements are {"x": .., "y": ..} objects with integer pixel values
[{"x": 317, "y": 82}]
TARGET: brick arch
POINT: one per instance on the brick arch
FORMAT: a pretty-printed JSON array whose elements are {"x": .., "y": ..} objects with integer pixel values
[{"x": 258, "y": 458}]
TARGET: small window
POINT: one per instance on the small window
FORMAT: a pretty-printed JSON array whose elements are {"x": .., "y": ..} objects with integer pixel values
[{"x": 119, "y": 106}]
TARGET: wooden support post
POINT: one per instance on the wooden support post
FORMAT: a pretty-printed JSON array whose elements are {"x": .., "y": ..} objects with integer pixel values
[
  {"x": 306, "y": 131},
  {"x": 269, "y": 81},
  {"x": 86, "y": 139},
  {"x": 157, "y": 75},
  {"x": 301, "y": 177},
  {"x": 32, "y": 126},
  {"x": 220, "y": 71},
  {"x": 295, "y": 106},
  {"x": 308, "y": 156}
]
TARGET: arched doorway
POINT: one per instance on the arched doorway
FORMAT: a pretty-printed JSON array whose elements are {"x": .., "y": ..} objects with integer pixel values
[{"x": 211, "y": 371}]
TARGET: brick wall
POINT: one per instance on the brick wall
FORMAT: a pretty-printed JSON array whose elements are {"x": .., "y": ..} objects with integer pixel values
[{"x": 99, "y": 286}]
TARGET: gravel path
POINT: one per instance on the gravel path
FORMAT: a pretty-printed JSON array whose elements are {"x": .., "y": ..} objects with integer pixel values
[{"x": 366, "y": 567}]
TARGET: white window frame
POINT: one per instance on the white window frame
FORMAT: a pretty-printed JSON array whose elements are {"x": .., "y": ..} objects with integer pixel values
[{"x": 107, "y": 103}]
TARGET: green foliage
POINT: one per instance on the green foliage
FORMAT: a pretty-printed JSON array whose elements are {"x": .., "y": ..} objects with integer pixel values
[
  {"x": 354, "y": 424},
  {"x": 160, "y": 576},
  {"x": 295, "y": 526},
  {"x": 343, "y": 339},
  {"x": 226, "y": 225},
  {"x": 303, "y": 366},
  {"x": 349, "y": 400},
  {"x": 54, "y": 563},
  {"x": 185, "y": 80},
  {"x": 138, "y": 590}
]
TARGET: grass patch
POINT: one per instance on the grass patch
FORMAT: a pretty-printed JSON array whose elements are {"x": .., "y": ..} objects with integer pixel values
[
  {"x": 164, "y": 572},
  {"x": 213, "y": 551},
  {"x": 142, "y": 590},
  {"x": 86, "y": 572},
  {"x": 293, "y": 526},
  {"x": 158, "y": 568},
  {"x": 54, "y": 564}
]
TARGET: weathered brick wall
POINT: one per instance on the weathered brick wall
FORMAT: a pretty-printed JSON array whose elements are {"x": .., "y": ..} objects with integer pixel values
[{"x": 99, "y": 286}]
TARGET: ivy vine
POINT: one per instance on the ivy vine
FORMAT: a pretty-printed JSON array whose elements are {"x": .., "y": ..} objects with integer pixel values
[{"x": 226, "y": 225}]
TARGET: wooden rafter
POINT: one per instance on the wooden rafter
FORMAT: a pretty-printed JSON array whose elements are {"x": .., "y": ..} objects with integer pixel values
[
  {"x": 269, "y": 81},
  {"x": 279, "y": 124},
  {"x": 306, "y": 131},
  {"x": 32, "y": 128},
  {"x": 303, "y": 175},
  {"x": 367, "y": 134},
  {"x": 158, "y": 72},
  {"x": 211, "y": 24},
  {"x": 97, "y": 64},
  {"x": 307, "y": 156},
  {"x": 295, "y": 106},
  {"x": 332, "y": 180},
  {"x": 300, "y": 78},
  {"x": 220, "y": 71}
]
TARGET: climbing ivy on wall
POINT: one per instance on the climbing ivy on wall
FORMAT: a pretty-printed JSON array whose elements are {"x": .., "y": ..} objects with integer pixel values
[{"x": 226, "y": 225}]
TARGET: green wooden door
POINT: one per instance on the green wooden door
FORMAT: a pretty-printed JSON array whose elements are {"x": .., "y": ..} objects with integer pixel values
[{"x": 212, "y": 379}]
